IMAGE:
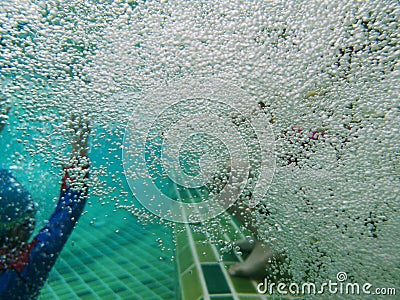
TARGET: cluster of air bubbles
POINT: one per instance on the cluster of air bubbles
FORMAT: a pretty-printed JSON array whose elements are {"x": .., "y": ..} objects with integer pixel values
[{"x": 324, "y": 74}]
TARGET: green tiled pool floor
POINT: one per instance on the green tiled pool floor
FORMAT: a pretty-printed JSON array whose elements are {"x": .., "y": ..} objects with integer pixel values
[
  {"x": 202, "y": 272},
  {"x": 98, "y": 263},
  {"x": 116, "y": 259}
]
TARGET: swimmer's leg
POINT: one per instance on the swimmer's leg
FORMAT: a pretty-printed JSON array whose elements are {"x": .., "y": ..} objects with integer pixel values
[
  {"x": 245, "y": 218},
  {"x": 255, "y": 264},
  {"x": 246, "y": 245}
]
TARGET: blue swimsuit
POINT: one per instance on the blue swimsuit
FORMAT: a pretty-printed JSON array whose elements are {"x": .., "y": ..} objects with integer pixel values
[{"x": 24, "y": 271}]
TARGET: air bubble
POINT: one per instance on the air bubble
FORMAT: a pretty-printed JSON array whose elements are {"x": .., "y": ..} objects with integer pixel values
[{"x": 326, "y": 74}]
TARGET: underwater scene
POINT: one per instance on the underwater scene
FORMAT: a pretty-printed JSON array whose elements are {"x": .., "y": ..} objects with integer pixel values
[{"x": 195, "y": 150}]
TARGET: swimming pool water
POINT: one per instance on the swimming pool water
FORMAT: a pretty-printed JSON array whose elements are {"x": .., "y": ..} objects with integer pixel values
[
  {"x": 328, "y": 68},
  {"x": 99, "y": 263}
]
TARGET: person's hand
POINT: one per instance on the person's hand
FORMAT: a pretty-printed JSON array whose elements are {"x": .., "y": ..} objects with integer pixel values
[{"x": 80, "y": 130}]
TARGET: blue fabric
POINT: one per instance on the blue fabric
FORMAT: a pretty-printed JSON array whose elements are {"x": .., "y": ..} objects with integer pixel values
[{"x": 47, "y": 245}]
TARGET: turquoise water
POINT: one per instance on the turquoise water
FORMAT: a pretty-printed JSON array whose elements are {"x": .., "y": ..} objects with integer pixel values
[
  {"x": 110, "y": 255},
  {"x": 99, "y": 263},
  {"x": 323, "y": 66}
]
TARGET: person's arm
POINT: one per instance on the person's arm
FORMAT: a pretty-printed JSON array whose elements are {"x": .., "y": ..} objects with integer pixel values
[{"x": 52, "y": 238}]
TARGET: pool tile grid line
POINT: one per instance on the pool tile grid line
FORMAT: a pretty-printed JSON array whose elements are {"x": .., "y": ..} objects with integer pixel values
[
  {"x": 71, "y": 276},
  {"x": 113, "y": 280},
  {"x": 202, "y": 280},
  {"x": 79, "y": 284},
  {"x": 196, "y": 260},
  {"x": 231, "y": 289},
  {"x": 101, "y": 287},
  {"x": 143, "y": 277},
  {"x": 239, "y": 257},
  {"x": 225, "y": 273},
  {"x": 125, "y": 250},
  {"x": 140, "y": 276},
  {"x": 233, "y": 294},
  {"x": 53, "y": 292},
  {"x": 254, "y": 283},
  {"x": 222, "y": 264},
  {"x": 198, "y": 266},
  {"x": 107, "y": 285},
  {"x": 151, "y": 269}
]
